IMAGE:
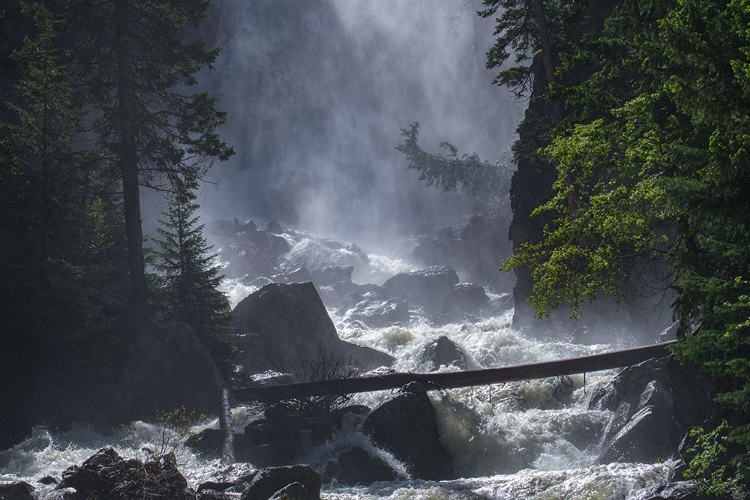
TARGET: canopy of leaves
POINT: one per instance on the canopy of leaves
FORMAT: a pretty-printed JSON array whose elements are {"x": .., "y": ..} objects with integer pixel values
[{"x": 655, "y": 157}]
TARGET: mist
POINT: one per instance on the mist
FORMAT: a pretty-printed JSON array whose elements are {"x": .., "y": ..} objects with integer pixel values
[{"x": 317, "y": 92}]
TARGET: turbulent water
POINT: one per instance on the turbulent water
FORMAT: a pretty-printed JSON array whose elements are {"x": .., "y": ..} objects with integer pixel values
[{"x": 514, "y": 441}]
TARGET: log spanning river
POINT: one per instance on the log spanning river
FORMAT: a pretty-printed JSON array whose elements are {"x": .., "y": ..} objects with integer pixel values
[{"x": 517, "y": 440}]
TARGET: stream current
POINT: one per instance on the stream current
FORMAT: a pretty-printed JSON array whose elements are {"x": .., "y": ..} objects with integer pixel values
[{"x": 526, "y": 440}]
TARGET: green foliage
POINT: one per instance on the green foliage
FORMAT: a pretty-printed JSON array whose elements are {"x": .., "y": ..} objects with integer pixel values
[
  {"x": 517, "y": 34},
  {"x": 166, "y": 437},
  {"x": 190, "y": 276},
  {"x": 718, "y": 473},
  {"x": 652, "y": 170},
  {"x": 452, "y": 172}
]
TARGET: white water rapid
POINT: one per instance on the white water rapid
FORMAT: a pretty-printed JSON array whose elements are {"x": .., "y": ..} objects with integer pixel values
[{"x": 526, "y": 440}]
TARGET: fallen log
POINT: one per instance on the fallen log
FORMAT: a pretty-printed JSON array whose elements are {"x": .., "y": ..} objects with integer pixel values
[{"x": 450, "y": 380}]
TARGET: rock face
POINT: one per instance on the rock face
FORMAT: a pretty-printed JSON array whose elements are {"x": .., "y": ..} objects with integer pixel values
[
  {"x": 107, "y": 475},
  {"x": 282, "y": 324},
  {"x": 168, "y": 368},
  {"x": 653, "y": 405},
  {"x": 406, "y": 425}
]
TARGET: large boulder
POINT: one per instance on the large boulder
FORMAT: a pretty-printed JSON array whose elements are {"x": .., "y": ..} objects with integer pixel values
[
  {"x": 267, "y": 482},
  {"x": 406, "y": 425},
  {"x": 431, "y": 288},
  {"x": 168, "y": 368},
  {"x": 442, "y": 352},
  {"x": 281, "y": 326},
  {"x": 16, "y": 490},
  {"x": 358, "y": 467},
  {"x": 652, "y": 404}
]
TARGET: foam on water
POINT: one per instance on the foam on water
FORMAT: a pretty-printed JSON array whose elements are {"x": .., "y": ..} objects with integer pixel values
[{"x": 535, "y": 439}]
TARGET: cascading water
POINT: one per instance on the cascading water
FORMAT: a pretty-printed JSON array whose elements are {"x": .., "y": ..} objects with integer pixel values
[{"x": 536, "y": 439}]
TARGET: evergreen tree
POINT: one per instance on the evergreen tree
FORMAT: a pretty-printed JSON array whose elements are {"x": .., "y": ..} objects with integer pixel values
[
  {"x": 137, "y": 71},
  {"x": 57, "y": 239},
  {"x": 189, "y": 274}
]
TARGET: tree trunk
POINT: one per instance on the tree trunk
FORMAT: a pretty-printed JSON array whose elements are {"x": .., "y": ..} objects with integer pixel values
[
  {"x": 451, "y": 380},
  {"x": 128, "y": 160}
]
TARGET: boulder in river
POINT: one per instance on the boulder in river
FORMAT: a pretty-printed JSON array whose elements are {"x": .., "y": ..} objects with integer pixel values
[
  {"x": 267, "y": 482},
  {"x": 281, "y": 325},
  {"x": 406, "y": 425},
  {"x": 16, "y": 490},
  {"x": 442, "y": 352},
  {"x": 654, "y": 403},
  {"x": 431, "y": 287}
]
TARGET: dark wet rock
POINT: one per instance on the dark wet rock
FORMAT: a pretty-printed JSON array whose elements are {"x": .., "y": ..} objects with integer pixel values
[
  {"x": 48, "y": 480},
  {"x": 213, "y": 495},
  {"x": 469, "y": 298},
  {"x": 431, "y": 288},
  {"x": 680, "y": 490},
  {"x": 294, "y": 491},
  {"x": 281, "y": 326},
  {"x": 284, "y": 435},
  {"x": 214, "y": 486},
  {"x": 106, "y": 475},
  {"x": 270, "y": 480},
  {"x": 653, "y": 405},
  {"x": 380, "y": 313},
  {"x": 442, "y": 352},
  {"x": 357, "y": 467},
  {"x": 168, "y": 368},
  {"x": 406, "y": 425},
  {"x": 16, "y": 490}
]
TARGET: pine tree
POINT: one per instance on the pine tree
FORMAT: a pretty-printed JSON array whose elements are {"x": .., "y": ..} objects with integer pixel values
[
  {"x": 137, "y": 71},
  {"x": 189, "y": 274}
]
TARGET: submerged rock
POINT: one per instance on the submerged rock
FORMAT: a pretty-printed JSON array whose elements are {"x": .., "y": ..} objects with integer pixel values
[{"x": 406, "y": 425}]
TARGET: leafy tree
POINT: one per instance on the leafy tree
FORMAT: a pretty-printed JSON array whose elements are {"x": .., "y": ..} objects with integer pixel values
[
  {"x": 137, "y": 71},
  {"x": 190, "y": 275},
  {"x": 655, "y": 153}
]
